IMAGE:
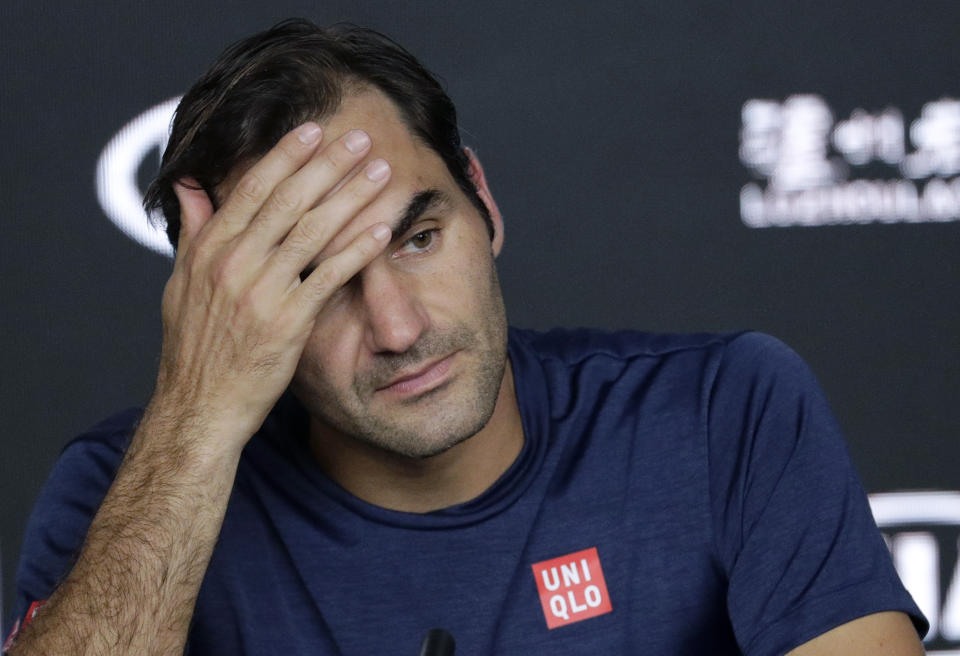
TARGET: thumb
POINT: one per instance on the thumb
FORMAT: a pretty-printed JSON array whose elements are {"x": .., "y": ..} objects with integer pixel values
[{"x": 195, "y": 209}]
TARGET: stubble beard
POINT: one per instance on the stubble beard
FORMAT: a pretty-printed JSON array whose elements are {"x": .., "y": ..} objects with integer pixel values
[{"x": 435, "y": 421}]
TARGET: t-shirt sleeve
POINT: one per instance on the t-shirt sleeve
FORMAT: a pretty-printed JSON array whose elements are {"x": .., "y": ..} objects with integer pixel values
[
  {"x": 792, "y": 523},
  {"x": 62, "y": 514}
]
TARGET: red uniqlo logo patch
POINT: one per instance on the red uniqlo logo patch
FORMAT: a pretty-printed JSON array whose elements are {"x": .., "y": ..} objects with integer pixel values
[
  {"x": 572, "y": 588},
  {"x": 18, "y": 627}
]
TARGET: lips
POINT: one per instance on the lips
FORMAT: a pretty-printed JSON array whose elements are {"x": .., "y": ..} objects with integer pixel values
[{"x": 422, "y": 380}]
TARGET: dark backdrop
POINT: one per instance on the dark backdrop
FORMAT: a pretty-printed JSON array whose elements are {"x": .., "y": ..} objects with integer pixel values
[{"x": 617, "y": 138}]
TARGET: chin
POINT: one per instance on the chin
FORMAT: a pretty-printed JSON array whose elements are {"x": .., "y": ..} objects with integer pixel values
[
  {"x": 443, "y": 418},
  {"x": 453, "y": 423},
  {"x": 423, "y": 446}
]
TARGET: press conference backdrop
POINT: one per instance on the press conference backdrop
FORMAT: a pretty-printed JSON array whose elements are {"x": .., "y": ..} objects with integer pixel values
[{"x": 785, "y": 166}]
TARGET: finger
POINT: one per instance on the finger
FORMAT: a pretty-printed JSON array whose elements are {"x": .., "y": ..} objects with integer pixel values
[
  {"x": 335, "y": 271},
  {"x": 259, "y": 182},
  {"x": 302, "y": 191},
  {"x": 315, "y": 230},
  {"x": 195, "y": 210}
]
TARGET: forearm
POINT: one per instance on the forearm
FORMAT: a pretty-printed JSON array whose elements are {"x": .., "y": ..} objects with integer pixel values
[{"x": 135, "y": 582}]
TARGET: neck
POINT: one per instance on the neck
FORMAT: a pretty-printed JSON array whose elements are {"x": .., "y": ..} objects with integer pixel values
[{"x": 400, "y": 483}]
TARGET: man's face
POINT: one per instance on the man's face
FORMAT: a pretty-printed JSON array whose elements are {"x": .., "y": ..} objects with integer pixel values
[{"x": 410, "y": 354}]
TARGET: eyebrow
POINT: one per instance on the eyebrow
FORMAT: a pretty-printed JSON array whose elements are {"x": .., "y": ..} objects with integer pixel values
[{"x": 420, "y": 203}]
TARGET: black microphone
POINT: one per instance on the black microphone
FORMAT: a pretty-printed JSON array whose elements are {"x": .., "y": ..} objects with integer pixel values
[{"x": 437, "y": 642}]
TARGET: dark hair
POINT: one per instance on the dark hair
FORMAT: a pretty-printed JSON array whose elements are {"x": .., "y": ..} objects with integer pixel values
[{"x": 263, "y": 86}]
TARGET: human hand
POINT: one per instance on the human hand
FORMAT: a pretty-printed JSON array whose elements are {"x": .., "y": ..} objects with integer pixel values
[{"x": 236, "y": 315}]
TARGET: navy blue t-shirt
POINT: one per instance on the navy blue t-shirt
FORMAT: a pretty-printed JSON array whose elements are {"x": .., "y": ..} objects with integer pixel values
[{"x": 674, "y": 495}]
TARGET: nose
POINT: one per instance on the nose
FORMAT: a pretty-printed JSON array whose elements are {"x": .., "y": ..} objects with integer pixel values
[{"x": 395, "y": 317}]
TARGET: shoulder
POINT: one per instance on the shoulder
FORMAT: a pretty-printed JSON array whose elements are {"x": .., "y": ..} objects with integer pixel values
[
  {"x": 745, "y": 348},
  {"x": 757, "y": 357},
  {"x": 677, "y": 374},
  {"x": 759, "y": 383},
  {"x": 68, "y": 500},
  {"x": 693, "y": 362},
  {"x": 736, "y": 361},
  {"x": 576, "y": 345},
  {"x": 766, "y": 410},
  {"x": 88, "y": 462},
  {"x": 112, "y": 435}
]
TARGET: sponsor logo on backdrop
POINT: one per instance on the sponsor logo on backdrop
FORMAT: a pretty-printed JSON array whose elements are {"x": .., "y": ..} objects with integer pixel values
[
  {"x": 922, "y": 530},
  {"x": 118, "y": 189},
  {"x": 813, "y": 168}
]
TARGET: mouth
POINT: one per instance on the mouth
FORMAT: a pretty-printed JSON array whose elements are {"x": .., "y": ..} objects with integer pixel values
[{"x": 422, "y": 380}]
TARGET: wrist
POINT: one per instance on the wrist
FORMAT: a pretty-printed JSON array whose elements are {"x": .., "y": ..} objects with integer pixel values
[{"x": 198, "y": 432}]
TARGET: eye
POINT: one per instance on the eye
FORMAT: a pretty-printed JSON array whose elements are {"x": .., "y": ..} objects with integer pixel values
[
  {"x": 420, "y": 242},
  {"x": 421, "y": 239}
]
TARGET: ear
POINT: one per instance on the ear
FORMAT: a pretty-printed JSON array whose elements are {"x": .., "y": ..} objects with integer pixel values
[
  {"x": 195, "y": 209},
  {"x": 475, "y": 171}
]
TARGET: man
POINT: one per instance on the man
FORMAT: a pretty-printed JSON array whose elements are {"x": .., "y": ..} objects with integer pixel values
[{"x": 347, "y": 447}]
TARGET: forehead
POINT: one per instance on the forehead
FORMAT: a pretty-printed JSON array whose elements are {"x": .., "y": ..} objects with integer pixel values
[
  {"x": 371, "y": 110},
  {"x": 374, "y": 113},
  {"x": 414, "y": 165}
]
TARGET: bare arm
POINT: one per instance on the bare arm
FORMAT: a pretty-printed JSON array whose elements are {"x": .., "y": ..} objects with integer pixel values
[
  {"x": 133, "y": 588},
  {"x": 236, "y": 318},
  {"x": 880, "y": 634}
]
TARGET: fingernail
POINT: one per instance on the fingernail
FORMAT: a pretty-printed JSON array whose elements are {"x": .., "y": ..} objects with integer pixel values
[
  {"x": 377, "y": 170},
  {"x": 308, "y": 133},
  {"x": 382, "y": 232},
  {"x": 357, "y": 140}
]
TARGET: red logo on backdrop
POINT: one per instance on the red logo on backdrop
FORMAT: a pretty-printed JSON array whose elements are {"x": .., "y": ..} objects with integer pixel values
[{"x": 572, "y": 588}]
